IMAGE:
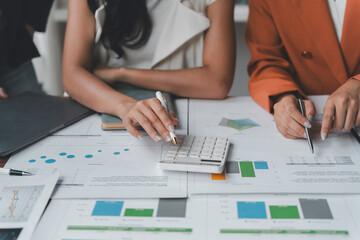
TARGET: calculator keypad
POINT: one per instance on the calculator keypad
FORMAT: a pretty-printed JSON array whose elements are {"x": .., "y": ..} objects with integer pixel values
[{"x": 194, "y": 148}]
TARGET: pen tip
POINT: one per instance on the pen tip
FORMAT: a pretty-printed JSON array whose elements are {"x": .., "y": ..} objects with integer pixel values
[{"x": 174, "y": 140}]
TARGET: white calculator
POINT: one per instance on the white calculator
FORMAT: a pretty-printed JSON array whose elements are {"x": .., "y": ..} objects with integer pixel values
[{"x": 196, "y": 154}]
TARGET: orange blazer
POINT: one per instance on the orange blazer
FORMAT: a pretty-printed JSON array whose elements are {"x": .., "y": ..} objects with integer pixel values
[{"x": 294, "y": 47}]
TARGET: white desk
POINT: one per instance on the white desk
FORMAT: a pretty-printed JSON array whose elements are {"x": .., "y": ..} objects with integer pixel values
[{"x": 223, "y": 216}]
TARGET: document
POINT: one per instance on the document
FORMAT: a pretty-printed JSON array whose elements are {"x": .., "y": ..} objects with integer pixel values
[
  {"x": 93, "y": 167},
  {"x": 275, "y": 217},
  {"x": 109, "y": 165},
  {"x": 22, "y": 202},
  {"x": 261, "y": 160},
  {"x": 133, "y": 219},
  {"x": 205, "y": 217}
]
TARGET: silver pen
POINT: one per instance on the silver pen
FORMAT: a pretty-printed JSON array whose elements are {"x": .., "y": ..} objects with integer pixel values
[
  {"x": 308, "y": 137},
  {"x": 14, "y": 172}
]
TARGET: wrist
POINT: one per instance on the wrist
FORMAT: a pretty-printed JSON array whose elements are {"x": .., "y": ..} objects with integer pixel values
[
  {"x": 121, "y": 74},
  {"x": 123, "y": 107},
  {"x": 278, "y": 98}
]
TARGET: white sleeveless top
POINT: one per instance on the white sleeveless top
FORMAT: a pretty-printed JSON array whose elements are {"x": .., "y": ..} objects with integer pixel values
[{"x": 176, "y": 40}]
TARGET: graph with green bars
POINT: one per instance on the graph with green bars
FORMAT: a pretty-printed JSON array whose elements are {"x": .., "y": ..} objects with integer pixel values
[
  {"x": 165, "y": 208},
  {"x": 273, "y": 215},
  {"x": 247, "y": 169},
  {"x": 311, "y": 209}
]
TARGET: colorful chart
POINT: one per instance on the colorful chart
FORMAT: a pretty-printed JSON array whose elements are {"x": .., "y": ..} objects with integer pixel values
[
  {"x": 165, "y": 208},
  {"x": 310, "y": 208},
  {"x": 238, "y": 124},
  {"x": 17, "y": 202},
  {"x": 245, "y": 168}
]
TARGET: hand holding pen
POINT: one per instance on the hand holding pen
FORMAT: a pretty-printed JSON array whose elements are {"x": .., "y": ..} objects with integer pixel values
[
  {"x": 288, "y": 118},
  {"x": 151, "y": 116},
  {"x": 164, "y": 104}
]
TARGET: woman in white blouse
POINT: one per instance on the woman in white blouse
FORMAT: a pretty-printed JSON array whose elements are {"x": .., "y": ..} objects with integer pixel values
[{"x": 184, "y": 47}]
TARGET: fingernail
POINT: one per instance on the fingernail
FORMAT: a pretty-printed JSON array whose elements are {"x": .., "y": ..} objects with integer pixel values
[
  {"x": 311, "y": 117},
  {"x": 171, "y": 128},
  {"x": 139, "y": 137},
  {"x": 158, "y": 138},
  {"x": 168, "y": 139},
  {"x": 176, "y": 119},
  {"x": 307, "y": 125},
  {"x": 323, "y": 136},
  {"x": 304, "y": 135}
]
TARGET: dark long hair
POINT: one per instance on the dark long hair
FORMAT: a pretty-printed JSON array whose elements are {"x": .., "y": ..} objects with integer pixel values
[{"x": 127, "y": 24}]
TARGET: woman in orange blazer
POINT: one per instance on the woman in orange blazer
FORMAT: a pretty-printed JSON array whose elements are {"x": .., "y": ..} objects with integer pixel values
[{"x": 295, "y": 52}]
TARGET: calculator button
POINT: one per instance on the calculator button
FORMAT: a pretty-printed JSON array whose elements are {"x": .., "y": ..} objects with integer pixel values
[
  {"x": 207, "y": 148},
  {"x": 205, "y": 156},
  {"x": 169, "y": 158},
  {"x": 170, "y": 154}
]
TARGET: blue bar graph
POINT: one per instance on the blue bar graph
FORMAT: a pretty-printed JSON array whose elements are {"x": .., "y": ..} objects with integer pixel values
[
  {"x": 107, "y": 208},
  {"x": 251, "y": 210},
  {"x": 261, "y": 165}
]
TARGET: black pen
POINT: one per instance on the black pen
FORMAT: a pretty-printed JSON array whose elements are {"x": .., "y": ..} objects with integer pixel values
[
  {"x": 14, "y": 172},
  {"x": 308, "y": 137}
]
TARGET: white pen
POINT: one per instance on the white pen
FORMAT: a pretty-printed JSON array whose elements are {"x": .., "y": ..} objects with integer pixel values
[
  {"x": 14, "y": 172},
  {"x": 164, "y": 104}
]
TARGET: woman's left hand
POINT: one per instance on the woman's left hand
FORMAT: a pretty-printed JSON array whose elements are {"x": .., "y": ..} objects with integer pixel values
[
  {"x": 108, "y": 74},
  {"x": 341, "y": 110}
]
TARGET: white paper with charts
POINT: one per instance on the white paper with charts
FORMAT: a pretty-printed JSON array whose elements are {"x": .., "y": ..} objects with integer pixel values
[
  {"x": 252, "y": 217},
  {"x": 133, "y": 219},
  {"x": 107, "y": 166},
  {"x": 22, "y": 202},
  {"x": 261, "y": 160}
]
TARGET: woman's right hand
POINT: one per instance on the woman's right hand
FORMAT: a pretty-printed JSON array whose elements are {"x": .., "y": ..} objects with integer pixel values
[
  {"x": 151, "y": 116},
  {"x": 3, "y": 94},
  {"x": 288, "y": 118}
]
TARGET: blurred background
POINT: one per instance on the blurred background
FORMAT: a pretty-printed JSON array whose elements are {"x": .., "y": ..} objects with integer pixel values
[{"x": 50, "y": 46}]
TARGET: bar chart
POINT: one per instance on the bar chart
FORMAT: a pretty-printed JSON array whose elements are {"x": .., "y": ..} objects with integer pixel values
[
  {"x": 175, "y": 207},
  {"x": 286, "y": 216},
  {"x": 163, "y": 219},
  {"x": 246, "y": 169}
]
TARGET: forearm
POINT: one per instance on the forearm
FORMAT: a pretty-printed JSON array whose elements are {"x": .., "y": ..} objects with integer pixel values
[
  {"x": 194, "y": 83},
  {"x": 94, "y": 93}
]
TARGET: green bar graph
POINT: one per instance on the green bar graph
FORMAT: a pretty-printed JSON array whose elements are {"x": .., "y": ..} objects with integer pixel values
[
  {"x": 288, "y": 231},
  {"x": 129, "y": 229},
  {"x": 133, "y": 212},
  {"x": 284, "y": 212},
  {"x": 247, "y": 169}
]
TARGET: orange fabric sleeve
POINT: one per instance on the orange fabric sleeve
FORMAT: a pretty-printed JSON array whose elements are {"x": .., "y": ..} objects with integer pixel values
[{"x": 270, "y": 71}]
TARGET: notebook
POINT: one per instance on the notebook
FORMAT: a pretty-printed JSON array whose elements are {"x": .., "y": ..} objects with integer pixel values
[
  {"x": 110, "y": 122},
  {"x": 29, "y": 117}
]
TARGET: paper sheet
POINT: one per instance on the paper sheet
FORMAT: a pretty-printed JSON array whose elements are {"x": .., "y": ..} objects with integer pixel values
[
  {"x": 261, "y": 160},
  {"x": 206, "y": 217},
  {"x": 123, "y": 219},
  {"x": 22, "y": 201},
  {"x": 107, "y": 165},
  {"x": 275, "y": 217}
]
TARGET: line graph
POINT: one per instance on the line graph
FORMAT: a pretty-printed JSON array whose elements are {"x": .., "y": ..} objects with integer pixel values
[{"x": 16, "y": 203}]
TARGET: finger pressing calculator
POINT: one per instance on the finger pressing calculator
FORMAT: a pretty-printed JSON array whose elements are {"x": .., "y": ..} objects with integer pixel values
[{"x": 196, "y": 154}]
